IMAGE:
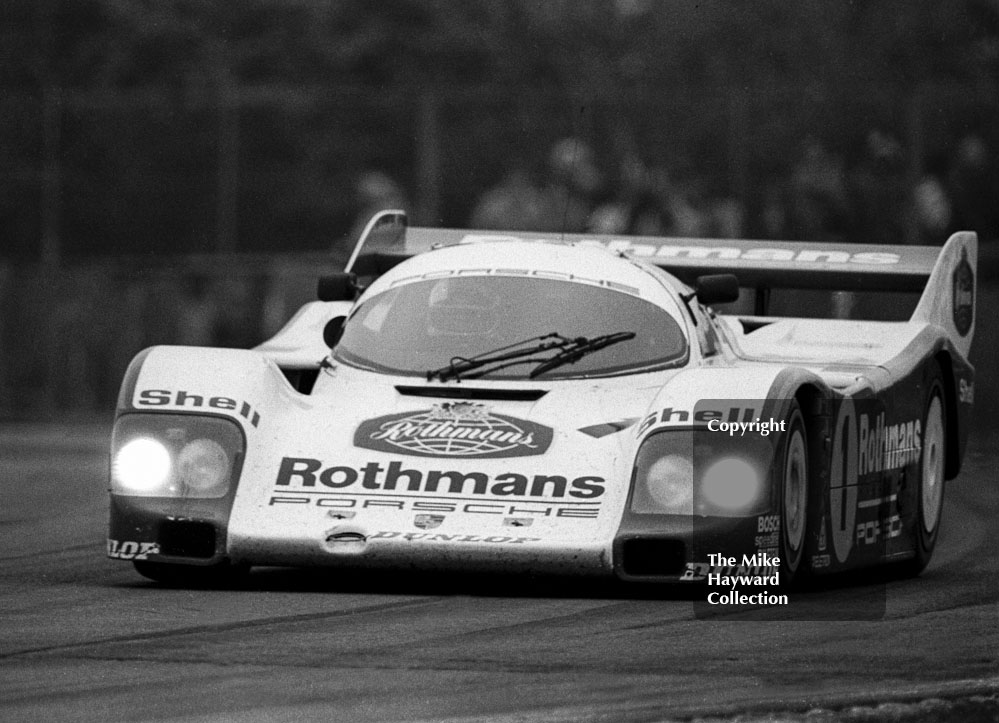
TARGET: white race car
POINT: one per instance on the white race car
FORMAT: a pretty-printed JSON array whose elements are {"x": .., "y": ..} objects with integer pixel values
[{"x": 480, "y": 401}]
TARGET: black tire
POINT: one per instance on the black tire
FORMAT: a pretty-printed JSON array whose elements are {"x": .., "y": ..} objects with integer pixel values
[
  {"x": 793, "y": 489},
  {"x": 932, "y": 475},
  {"x": 220, "y": 575}
]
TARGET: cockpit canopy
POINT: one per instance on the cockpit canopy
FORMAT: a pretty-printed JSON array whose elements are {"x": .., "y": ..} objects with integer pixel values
[{"x": 424, "y": 324}]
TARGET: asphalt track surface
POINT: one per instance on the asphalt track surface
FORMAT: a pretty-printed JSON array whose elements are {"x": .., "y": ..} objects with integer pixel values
[{"x": 84, "y": 638}]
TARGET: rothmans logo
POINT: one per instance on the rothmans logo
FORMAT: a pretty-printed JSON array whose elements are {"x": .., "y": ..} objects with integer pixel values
[{"x": 454, "y": 429}]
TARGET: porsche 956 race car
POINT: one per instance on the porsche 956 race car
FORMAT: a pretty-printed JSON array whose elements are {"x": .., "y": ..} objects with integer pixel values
[{"x": 483, "y": 401}]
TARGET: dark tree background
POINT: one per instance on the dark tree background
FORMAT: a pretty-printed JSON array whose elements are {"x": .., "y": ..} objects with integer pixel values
[{"x": 161, "y": 126}]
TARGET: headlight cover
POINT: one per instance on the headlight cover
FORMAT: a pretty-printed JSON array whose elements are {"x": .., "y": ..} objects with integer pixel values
[
  {"x": 174, "y": 455},
  {"x": 685, "y": 472},
  {"x": 730, "y": 483},
  {"x": 664, "y": 485}
]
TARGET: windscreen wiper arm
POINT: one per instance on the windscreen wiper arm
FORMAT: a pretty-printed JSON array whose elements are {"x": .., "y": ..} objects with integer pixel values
[
  {"x": 460, "y": 365},
  {"x": 579, "y": 348}
]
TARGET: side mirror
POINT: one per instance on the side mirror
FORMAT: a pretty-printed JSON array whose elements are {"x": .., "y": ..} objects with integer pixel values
[
  {"x": 717, "y": 289},
  {"x": 337, "y": 287},
  {"x": 333, "y": 331}
]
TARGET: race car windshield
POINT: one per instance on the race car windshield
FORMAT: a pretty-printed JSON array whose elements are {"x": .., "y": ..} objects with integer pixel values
[{"x": 425, "y": 325}]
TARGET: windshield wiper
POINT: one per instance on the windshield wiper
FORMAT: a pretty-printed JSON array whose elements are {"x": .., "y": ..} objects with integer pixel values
[
  {"x": 571, "y": 350},
  {"x": 579, "y": 348},
  {"x": 460, "y": 365}
]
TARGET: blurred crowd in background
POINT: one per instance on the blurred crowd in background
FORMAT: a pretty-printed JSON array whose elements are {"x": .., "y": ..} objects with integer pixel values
[{"x": 824, "y": 197}]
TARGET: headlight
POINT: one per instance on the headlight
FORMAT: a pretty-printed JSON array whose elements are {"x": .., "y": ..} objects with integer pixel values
[
  {"x": 731, "y": 483},
  {"x": 664, "y": 477},
  {"x": 170, "y": 455},
  {"x": 203, "y": 466},
  {"x": 142, "y": 466},
  {"x": 702, "y": 473}
]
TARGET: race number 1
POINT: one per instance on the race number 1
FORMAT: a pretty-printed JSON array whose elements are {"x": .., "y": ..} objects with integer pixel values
[{"x": 843, "y": 480}]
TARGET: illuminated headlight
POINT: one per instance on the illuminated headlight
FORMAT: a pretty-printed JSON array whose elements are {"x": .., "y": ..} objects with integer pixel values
[
  {"x": 731, "y": 484},
  {"x": 174, "y": 456},
  {"x": 142, "y": 466}
]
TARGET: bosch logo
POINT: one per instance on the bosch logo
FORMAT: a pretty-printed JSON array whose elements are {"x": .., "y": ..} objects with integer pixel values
[{"x": 768, "y": 523}]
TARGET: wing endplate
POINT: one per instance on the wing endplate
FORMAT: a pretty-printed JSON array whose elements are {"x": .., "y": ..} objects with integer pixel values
[{"x": 949, "y": 298}]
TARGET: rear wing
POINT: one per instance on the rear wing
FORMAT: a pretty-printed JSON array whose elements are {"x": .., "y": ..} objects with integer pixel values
[{"x": 946, "y": 277}]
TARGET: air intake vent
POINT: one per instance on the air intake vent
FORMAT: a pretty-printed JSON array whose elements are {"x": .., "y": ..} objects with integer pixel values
[
  {"x": 653, "y": 557},
  {"x": 187, "y": 538},
  {"x": 463, "y": 392}
]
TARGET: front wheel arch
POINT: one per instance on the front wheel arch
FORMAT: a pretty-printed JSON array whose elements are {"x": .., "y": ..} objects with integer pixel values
[{"x": 813, "y": 402}]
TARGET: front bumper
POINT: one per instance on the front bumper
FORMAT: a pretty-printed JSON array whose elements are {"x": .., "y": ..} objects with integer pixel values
[
  {"x": 667, "y": 549},
  {"x": 431, "y": 551}
]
